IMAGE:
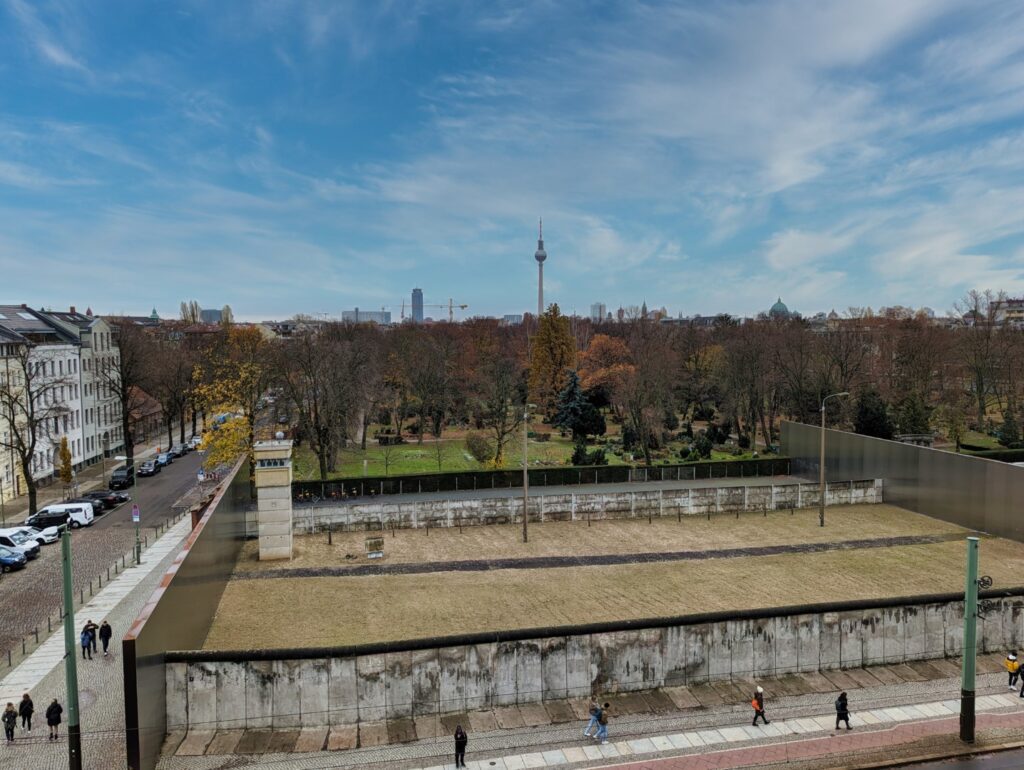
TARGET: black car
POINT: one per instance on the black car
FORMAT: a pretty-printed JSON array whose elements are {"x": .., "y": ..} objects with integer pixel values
[
  {"x": 122, "y": 477},
  {"x": 149, "y": 468},
  {"x": 98, "y": 506},
  {"x": 108, "y": 499},
  {"x": 43, "y": 519}
]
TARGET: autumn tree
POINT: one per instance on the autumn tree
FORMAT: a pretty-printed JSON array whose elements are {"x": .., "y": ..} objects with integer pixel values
[
  {"x": 553, "y": 354},
  {"x": 124, "y": 374},
  {"x": 65, "y": 468},
  {"x": 644, "y": 392}
]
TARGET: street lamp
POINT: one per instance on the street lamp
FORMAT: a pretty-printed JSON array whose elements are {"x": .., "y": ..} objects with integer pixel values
[
  {"x": 103, "y": 454},
  {"x": 526, "y": 474},
  {"x": 821, "y": 460}
]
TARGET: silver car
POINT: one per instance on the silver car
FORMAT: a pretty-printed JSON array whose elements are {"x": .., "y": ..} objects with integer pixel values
[{"x": 41, "y": 536}]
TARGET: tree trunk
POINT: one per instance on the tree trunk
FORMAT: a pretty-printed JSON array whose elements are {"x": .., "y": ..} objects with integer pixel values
[
  {"x": 181, "y": 425},
  {"x": 170, "y": 433},
  {"x": 129, "y": 444},
  {"x": 193, "y": 419},
  {"x": 366, "y": 429},
  {"x": 30, "y": 484}
]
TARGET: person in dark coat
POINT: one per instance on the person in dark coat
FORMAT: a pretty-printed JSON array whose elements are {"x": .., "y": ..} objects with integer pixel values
[
  {"x": 105, "y": 633},
  {"x": 842, "y": 711},
  {"x": 92, "y": 628},
  {"x": 461, "y": 739},
  {"x": 10, "y": 719},
  {"x": 53, "y": 712},
  {"x": 25, "y": 710},
  {"x": 758, "y": 704}
]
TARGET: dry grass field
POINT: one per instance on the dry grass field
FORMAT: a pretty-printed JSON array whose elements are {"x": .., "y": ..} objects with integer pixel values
[
  {"x": 694, "y": 533},
  {"x": 288, "y": 612}
]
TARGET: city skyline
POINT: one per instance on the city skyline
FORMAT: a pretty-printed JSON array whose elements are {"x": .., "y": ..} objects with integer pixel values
[{"x": 839, "y": 155}]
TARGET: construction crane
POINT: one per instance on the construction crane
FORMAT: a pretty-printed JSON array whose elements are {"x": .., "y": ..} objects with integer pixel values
[{"x": 451, "y": 308}]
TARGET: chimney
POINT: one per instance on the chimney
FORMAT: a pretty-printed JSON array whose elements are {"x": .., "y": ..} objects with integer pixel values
[
  {"x": 24, "y": 306},
  {"x": 72, "y": 310}
]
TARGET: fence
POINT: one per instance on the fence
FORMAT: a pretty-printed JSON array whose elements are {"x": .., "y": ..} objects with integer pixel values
[{"x": 538, "y": 477}]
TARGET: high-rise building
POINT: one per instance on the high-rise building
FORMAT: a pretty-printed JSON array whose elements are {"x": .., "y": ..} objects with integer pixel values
[
  {"x": 417, "y": 306},
  {"x": 540, "y": 255},
  {"x": 357, "y": 316},
  {"x": 597, "y": 312}
]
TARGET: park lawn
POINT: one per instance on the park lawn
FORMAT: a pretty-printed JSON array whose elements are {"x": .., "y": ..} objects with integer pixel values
[
  {"x": 976, "y": 438},
  {"x": 612, "y": 536},
  {"x": 422, "y": 458},
  {"x": 332, "y": 611}
]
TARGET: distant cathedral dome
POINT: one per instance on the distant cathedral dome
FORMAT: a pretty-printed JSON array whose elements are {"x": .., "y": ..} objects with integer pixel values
[{"x": 779, "y": 310}]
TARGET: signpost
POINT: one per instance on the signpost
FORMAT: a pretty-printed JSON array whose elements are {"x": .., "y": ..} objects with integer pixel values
[
  {"x": 136, "y": 518},
  {"x": 70, "y": 661}
]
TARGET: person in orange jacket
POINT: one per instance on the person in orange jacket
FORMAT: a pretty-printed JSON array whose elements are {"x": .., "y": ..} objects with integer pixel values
[{"x": 758, "y": 704}]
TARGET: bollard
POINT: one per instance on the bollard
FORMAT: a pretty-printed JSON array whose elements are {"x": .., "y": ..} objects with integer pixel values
[
  {"x": 330, "y": 530},
  {"x": 122, "y": 561},
  {"x": 90, "y": 588},
  {"x": 37, "y": 634},
  {"x": 81, "y": 596},
  {"x": 23, "y": 645},
  {"x": 49, "y": 626},
  {"x": 108, "y": 573},
  {"x": 9, "y": 659}
]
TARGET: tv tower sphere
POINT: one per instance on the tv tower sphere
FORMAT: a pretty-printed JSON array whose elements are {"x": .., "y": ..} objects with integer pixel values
[{"x": 540, "y": 254}]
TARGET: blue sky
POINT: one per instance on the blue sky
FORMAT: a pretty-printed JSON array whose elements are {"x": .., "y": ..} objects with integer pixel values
[{"x": 303, "y": 156}]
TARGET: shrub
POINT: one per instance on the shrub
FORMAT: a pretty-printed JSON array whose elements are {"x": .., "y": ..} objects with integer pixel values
[
  {"x": 480, "y": 447},
  {"x": 702, "y": 446},
  {"x": 744, "y": 441}
]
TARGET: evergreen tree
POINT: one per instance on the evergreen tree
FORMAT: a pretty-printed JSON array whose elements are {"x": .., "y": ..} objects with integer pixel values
[
  {"x": 65, "y": 468},
  {"x": 872, "y": 417},
  {"x": 1009, "y": 431},
  {"x": 553, "y": 354},
  {"x": 575, "y": 413},
  {"x": 912, "y": 415}
]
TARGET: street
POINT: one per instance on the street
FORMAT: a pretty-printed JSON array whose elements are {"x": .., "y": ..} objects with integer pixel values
[{"x": 28, "y": 596}]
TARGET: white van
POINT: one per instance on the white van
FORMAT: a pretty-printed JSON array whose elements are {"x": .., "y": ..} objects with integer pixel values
[
  {"x": 19, "y": 542},
  {"x": 75, "y": 514}
]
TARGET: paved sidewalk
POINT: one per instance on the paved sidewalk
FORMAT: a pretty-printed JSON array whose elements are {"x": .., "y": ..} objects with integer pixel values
[{"x": 101, "y": 694}]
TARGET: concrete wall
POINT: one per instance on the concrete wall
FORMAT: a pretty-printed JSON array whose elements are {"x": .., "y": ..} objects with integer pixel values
[
  {"x": 210, "y": 690},
  {"x": 690, "y": 501}
]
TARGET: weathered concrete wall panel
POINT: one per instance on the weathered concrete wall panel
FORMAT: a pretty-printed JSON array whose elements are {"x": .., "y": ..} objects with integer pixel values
[{"x": 210, "y": 694}]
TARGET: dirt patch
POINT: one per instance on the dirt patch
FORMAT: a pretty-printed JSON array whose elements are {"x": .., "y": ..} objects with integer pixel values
[
  {"x": 613, "y": 536},
  {"x": 327, "y": 611}
]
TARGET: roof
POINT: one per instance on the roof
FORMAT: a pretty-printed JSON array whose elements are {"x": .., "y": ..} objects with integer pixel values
[{"x": 23, "y": 320}]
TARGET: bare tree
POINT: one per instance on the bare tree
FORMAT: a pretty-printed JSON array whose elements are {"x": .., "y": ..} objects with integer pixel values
[
  {"x": 31, "y": 410},
  {"x": 979, "y": 345},
  {"x": 124, "y": 372}
]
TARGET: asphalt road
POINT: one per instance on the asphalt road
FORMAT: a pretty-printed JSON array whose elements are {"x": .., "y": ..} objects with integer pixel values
[
  {"x": 28, "y": 596},
  {"x": 1005, "y": 760}
]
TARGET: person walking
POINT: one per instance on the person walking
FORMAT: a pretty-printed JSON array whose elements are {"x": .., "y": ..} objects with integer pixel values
[
  {"x": 758, "y": 704},
  {"x": 53, "y": 712},
  {"x": 10, "y": 719},
  {"x": 842, "y": 711},
  {"x": 595, "y": 715},
  {"x": 1012, "y": 668},
  {"x": 105, "y": 633},
  {"x": 92, "y": 628},
  {"x": 461, "y": 739},
  {"x": 85, "y": 638},
  {"x": 25, "y": 710},
  {"x": 602, "y": 724}
]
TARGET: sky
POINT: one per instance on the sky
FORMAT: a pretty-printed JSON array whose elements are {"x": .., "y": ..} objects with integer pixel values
[{"x": 297, "y": 156}]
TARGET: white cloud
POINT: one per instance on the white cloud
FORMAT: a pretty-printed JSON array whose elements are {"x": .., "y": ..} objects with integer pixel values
[{"x": 794, "y": 248}]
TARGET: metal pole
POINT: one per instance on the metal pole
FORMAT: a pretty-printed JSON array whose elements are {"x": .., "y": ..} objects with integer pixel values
[
  {"x": 138, "y": 545},
  {"x": 821, "y": 471},
  {"x": 70, "y": 661},
  {"x": 3, "y": 514},
  {"x": 526, "y": 475},
  {"x": 970, "y": 643}
]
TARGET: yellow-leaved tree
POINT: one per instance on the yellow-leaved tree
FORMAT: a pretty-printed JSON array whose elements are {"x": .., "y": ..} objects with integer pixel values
[
  {"x": 239, "y": 376},
  {"x": 66, "y": 470},
  {"x": 552, "y": 355}
]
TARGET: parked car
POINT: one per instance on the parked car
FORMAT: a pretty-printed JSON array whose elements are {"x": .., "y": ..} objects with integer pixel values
[
  {"x": 18, "y": 541},
  {"x": 122, "y": 497},
  {"x": 110, "y": 500},
  {"x": 149, "y": 468},
  {"x": 41, "y": 536},
  {"x": 122, "y": 477},
  {"x": 99, "y": 507},
  {"x": 74, "y": 515},
  {"x": 164, "y": 458},
  {"x": 195, "y": 441},
  {"x": 11, "y": 560}
]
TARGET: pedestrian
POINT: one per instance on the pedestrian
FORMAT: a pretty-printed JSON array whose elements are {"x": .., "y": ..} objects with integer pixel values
[
  {"x": 105, "y": 633},
  {"x": 1012, "y": 668},
  {"x": 53, "y": 712},
  {"x": 461, "y": 739},
  {"x": 10, "y": 719},
  {"x": 595, "y": 715},
  {"x": 86, "y": 640},
  {"x": 602, "y": 724},
  {"x": 842, "y": 711},
  {"x": 26, "y": 709},
  {"x": 758, "y": 704},
  {"x": 92, "y": 628}
]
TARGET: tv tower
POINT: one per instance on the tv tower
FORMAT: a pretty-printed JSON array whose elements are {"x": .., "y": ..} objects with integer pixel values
[{"x": 540, "y": 256}]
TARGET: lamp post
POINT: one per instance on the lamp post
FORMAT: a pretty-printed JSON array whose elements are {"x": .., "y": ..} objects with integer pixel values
[
  {"x": 526, "y": 473},
  {"x": 821, "y": 460},
  {"x": 70, "y": 662},
  {"x": 103, "y": 455}
]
